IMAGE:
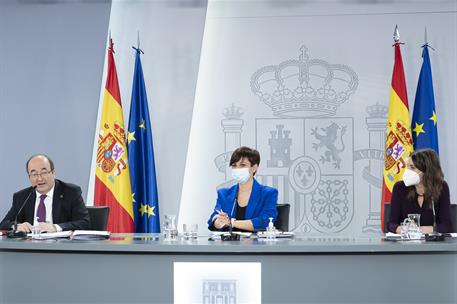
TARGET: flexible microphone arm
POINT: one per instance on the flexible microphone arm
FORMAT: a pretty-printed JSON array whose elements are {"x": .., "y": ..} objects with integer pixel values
[
  {"x": 231, "y": 214},
  {"x": 434, "y": 236},
  {"x": 434, "y": 216},
  {"x": 231, "y": 236},
  {"x": 19, "y": 234}
]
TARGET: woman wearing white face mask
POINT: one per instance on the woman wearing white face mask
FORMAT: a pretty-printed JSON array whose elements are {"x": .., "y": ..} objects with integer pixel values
[
  {"x": 423, "y": 189},
  {"x": 248, "y": 205}
]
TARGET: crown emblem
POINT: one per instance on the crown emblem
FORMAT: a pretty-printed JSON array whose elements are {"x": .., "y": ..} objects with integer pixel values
[
  {"x": 233, "y": 112},
  {"x": 403, "y": 133},
  {"x": 304, "y": 87},
  {"x": 377, "y": 111}
]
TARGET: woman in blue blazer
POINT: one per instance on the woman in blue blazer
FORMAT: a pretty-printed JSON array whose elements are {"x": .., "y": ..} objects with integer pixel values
[{"x": 248, "y": 205}]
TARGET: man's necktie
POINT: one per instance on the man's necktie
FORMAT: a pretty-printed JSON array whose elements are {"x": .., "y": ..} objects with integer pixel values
[{"x": 41, "y": 211}]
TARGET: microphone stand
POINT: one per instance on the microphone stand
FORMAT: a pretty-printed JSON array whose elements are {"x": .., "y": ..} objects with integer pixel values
[
  {"x": 434, "y": 236},
  {"x": 231, "y": 236}
]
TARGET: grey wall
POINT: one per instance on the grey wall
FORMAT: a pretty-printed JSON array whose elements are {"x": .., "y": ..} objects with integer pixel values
[
  {"x": 51, "y": 69},
  {"x": 51, "y": 63},
  {"x": 261, "y": 61}
]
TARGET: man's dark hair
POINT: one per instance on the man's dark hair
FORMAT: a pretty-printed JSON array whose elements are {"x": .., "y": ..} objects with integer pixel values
[
  {"x": 245, "y": 152},
  {"x": 51, "y": 163}
]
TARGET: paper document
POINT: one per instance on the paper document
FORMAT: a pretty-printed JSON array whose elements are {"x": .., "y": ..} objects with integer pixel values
[
  {"x": 51, "y": 235},
  {"x": 392, "y": 235},
  {"x": 279, "y": 234},
  {"x": 90, "y": 235}
]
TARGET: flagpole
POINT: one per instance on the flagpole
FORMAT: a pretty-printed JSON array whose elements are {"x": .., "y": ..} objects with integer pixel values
[
  {"x": 425, "y": 36},
  {"x": 138, "y": 39},
  {"x": 111, "y": 43},
  {"x": 137, "y": 48},
  {"x": 399, "y": 142},
  {"x": 141, "y": 154},
  {"x": 426, "y": 44},
  {"x": 424, "y": 119}
]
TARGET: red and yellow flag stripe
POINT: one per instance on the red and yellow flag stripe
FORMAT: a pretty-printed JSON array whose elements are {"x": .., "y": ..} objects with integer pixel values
[
  {"x": 399, "y": 144},
  {"x": 112, "y": 177}
]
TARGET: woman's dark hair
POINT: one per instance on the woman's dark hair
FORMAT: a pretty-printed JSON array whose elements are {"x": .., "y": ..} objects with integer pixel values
[
  {"x": 245, "y": 152},
  {"x": 428, "y": 162}
]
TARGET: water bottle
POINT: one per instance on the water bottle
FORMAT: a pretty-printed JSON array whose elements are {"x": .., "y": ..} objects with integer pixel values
[
  {"x": 271, "y": 230},
  {"x": 170, "y": 231}
]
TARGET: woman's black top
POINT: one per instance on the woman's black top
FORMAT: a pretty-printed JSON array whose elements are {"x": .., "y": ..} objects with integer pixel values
[
  {"x": 240, "y": 215},
  {"x": 240, "y": 212}
]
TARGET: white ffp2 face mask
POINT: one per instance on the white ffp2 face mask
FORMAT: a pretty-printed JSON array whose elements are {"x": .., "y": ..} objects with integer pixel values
[
  {"x": 411, "y": 178},
  {"x": 241, "y": 175}
]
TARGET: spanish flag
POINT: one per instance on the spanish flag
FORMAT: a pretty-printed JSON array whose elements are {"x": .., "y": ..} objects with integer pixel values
[
  {"x": 399, "y": 143},
  {"x": 112, "y": 178}
]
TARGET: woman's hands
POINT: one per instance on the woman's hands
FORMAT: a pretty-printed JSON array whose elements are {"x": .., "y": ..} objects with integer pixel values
[{"x": 222, "y": 220}]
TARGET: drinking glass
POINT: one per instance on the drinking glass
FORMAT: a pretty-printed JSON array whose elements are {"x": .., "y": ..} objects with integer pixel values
[
  {"x": 190, "y": 231},
  {"x": 36, "y": 232}
]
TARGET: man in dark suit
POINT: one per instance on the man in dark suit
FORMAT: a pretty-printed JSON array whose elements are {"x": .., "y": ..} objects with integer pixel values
[{"x": 53, "y": 205}]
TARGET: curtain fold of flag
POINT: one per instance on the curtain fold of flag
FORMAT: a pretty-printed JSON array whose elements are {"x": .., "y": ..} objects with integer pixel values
[
  {"x": 424, "y": 122},
  {"x": 399, "y": 143},
  {"x": 112, "y": 177},
  {"x": 141, "y": 157}
]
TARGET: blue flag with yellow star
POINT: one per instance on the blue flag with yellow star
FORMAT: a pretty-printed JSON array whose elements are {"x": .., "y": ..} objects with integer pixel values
[
  {"x": 423, "y": 124},
  {"x": 141, "y": 157}
]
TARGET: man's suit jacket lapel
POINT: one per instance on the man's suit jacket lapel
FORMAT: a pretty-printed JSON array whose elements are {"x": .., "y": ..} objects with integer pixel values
[
  {"x": 253, "y": 199},
  {"x": 56, "y": 202}
]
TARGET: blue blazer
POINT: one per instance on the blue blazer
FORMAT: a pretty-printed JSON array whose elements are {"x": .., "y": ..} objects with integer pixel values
[{"x": 261, "y": 205}]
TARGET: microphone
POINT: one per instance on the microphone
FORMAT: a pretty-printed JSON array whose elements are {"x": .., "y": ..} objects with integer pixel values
[
  {"x": 434, "y": 236},
  {"x": 20, "y": 234},
  {"x": 231, "y": 236},
  {"x": 231, "y": 215},
  {"x": 434, "y": 216}
]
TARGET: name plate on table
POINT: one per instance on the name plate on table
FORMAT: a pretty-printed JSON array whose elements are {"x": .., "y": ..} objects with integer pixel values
[{"x": 217, "y": 282}]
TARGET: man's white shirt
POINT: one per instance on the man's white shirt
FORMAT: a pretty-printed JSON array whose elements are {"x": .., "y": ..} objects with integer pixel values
[{"x": 48, "y": 205}]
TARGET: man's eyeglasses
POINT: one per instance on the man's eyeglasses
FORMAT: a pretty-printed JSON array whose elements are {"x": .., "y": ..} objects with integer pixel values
[{"x": 42, "y": 174}]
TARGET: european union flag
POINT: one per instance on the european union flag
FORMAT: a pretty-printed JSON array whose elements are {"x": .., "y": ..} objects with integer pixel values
[
  {"x": 141, "y": 157},
  {"x": 423, "y": 124}
]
